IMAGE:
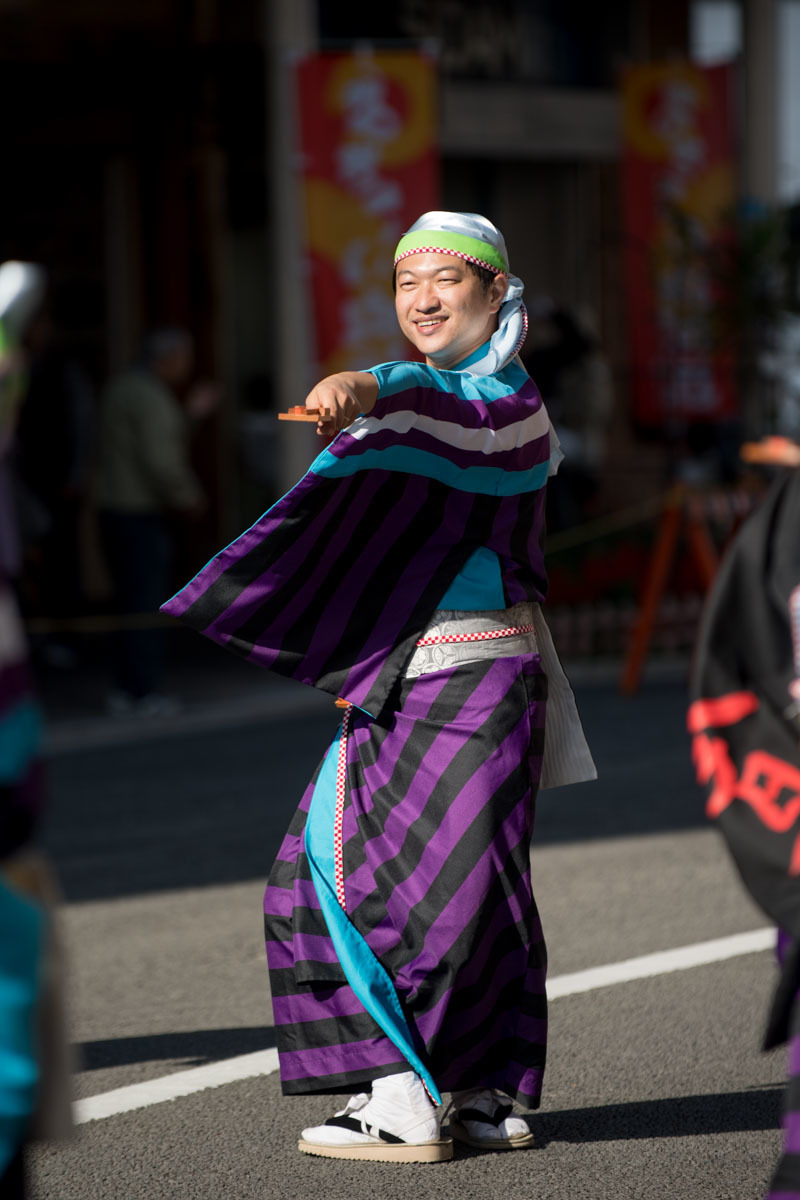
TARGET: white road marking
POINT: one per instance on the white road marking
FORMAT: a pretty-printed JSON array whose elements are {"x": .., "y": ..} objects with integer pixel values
[
  {"x": 172, "y": 1087},
  {"x": 644, "y": 967},
  {"x": 264, "y": 1062}
]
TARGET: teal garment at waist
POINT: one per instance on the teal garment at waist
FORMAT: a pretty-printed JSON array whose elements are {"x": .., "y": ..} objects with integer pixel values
[{"x": 478, "y": 587}]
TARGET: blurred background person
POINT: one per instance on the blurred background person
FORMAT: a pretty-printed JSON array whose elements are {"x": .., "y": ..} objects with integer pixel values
[
  {"x": 33, "y": 1060},
  {"x": 564, "y": 359},
  {"x": 144, "y": 474},
  {"x": 53, "y": 455}
]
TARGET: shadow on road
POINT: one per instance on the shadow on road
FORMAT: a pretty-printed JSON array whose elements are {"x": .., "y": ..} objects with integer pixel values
[
  {"x": 752, "y": 1110},
  {"x": 198, "y": 1047},
  {"x": 211, "y": 807},
  {"x": 678, "y": 1116}
]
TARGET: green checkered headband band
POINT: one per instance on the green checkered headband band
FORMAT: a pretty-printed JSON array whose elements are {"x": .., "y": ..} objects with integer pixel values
[{"x": 443, "y": 241}]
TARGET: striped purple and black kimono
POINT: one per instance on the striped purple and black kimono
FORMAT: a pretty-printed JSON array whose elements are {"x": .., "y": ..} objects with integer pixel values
[{"x": 401, "y": 926}]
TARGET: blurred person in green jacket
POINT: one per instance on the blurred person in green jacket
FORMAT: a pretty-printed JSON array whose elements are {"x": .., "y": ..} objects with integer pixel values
[{"x": 144, "y": 473}]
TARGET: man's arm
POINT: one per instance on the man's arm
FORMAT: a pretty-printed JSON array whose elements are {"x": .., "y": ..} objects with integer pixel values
[{"x": 341, "y": 398}]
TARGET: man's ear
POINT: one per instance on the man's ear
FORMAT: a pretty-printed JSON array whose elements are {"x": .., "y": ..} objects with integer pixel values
[{"x": 497, "y": 291}]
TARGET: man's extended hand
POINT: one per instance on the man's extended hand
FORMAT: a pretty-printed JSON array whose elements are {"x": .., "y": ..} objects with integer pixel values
[{"x": 340, "y": 398}]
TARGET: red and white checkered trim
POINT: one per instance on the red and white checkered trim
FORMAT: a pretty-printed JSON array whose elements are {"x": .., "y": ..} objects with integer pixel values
[
  {"x": 523, "y": 312},
  {"x": 479, "y": 262},
  {"x": 341, "y": 788},
  {"x": 341, "y": 765},
  {"x": 486, "y": 636}
]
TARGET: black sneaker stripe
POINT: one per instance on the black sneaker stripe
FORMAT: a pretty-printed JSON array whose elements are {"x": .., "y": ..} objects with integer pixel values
[
  {"x": 496, "y": 1118},
  {"x": 357, "y": 1127}
]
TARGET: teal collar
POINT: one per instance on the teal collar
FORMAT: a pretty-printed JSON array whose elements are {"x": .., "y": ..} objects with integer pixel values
[{"x": 476, "y": 355}]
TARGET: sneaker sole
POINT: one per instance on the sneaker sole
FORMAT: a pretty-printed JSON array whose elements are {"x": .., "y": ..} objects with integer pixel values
[
  {"x": 440, "y": 1151},
  {"x": 524, "y": 1142}
]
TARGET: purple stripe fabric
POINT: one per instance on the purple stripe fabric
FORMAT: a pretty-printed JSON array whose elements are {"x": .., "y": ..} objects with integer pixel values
[
  {"x": 316, "y": 610},
  {"x": 472, "y": 414},
  {"x": 292, "y": 845},
  {"x": 516, "y": 577},
  {"x": 440, "y": 966},
  {"x": 394, "y": 616},
  {"x": 447, "y": 928},
  {"x": 467, "y": 1058},
  {"x": 794, "y": 1057},
  {"x": 305, "y": 947},
  {"x": 791, "y": 1132},
  {"x": 357, "y": 1058},
  {"x": 525, "y": 1080},
  {"x": 513, "y": 966},
  {"x": 312, "y": 1006},
  {"x": 243, "y": 545},
  {"x": 283, "y": 573},
  {"x": 281, "y": 902},
  {"x": 344, "y": 601},
  {"x": 450, "y": 741},
  {"x": 463, "y": 906},
  {"x": 484, "y": 955}
]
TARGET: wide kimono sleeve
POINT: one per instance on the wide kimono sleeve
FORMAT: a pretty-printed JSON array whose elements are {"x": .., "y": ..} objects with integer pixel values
[{"x": 332, "y": 585}]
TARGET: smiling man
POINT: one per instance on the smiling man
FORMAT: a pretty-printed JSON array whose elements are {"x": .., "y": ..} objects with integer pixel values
[
  {"x": 445, "y": 306},
  {"x": 404, "y": 574}
]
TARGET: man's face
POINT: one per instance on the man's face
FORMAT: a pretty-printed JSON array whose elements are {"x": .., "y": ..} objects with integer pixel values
[{"x": 442, "y": 309}]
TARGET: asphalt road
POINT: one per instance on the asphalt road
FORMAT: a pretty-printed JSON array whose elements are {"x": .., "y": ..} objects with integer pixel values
[{"x": 656, "y": 1088}]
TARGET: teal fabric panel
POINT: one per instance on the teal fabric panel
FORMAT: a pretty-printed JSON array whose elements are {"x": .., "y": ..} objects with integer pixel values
[
  {"x": 20, "y": 735},
  {"x": 397, "y": 377},
  {"x": 488, "y": 481},
  {"x": 478, "y": 587},
  {"x": 21, "y": 933},
  {"x": 368, "y": 979}
]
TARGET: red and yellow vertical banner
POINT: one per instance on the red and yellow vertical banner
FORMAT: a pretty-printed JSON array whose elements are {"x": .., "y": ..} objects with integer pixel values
[
  {"x": 369, "y": 168},
  {"x": 679, "y": 192}
]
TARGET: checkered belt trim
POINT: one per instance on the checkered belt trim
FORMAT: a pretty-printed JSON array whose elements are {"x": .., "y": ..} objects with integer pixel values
[
  {"x": 338, "y": 858},
  {"x": 341, "y": 788},
  {"x": 486, "y": 635}
]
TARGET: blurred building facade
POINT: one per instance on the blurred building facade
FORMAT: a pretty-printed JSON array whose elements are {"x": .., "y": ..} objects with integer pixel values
[{"x": 147, "y": 174}]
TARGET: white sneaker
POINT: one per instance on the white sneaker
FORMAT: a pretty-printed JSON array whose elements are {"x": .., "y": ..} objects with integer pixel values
[
  {"x": 483, "y": 1118},
  {"x": 397, "y": 1123}
]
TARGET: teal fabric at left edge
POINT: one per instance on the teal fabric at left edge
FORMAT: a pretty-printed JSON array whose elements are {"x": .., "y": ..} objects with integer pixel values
[
  {"x": 21, "y": 932},
  {"x": 20, "y": 735},
  {"x": 368, "y": 979}
]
